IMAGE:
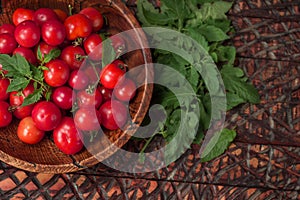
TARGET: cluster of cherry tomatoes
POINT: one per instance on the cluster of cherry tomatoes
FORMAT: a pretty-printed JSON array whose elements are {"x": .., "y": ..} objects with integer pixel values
[{"x": 77, "y": 105}]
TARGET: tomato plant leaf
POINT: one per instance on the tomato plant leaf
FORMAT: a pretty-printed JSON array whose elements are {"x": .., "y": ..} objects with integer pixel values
[
  {"x": 18, "y": 84},
  {"x": 33, "y": 97},
  {"x": 109, "y": 53},
  {"x": 218, "y": 144}
]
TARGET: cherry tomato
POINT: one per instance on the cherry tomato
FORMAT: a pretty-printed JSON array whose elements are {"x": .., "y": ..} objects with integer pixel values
[
  {"x": 7, "y": 43},
  {"x": 78, "y": 26},
  {"x": 73, "y": 56},
  {"x": 93, "y": 46},
  {"x": 95, "y": 16},
  {"x": 93, "y": 73},
  {"x": 87, "y": 119},
  {"x": 5, "y": 114},
  {"x": 78, "y": 80},
  {"x": 62, "y": 97},
  {"x": 125, "y": 90},
  {"x": 105, "y": 92},
  {"x": 118, "y": 43},
  {"x": 110, "y": 75},
  {"x": 89, "y": 99},
  {"x": 7, "y": 28},
  {"x": 114, "y": 114},
  {"x": 66, "y": 137},
  {"x": 53, "y": 32},
  {"x": 21, "y": 15},
  {"x": 44, "y": 48},
  {"x": 27, "y": 34},
  {"x": 28, "y": 132},
  {"x": 21, "y": 112},
  {"x": 4, "y": 83},
  {"x": 46, "y": 115},
  {"x": 57, "y": 74},
  {"x": 62, "y": 15},
  {"x": 27, "y": 53},
  {"x": 43, "y": 15},
  {"x": 17, "y": 99}
]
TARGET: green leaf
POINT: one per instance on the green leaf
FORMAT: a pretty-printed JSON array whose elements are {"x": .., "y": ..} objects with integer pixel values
[
  {"x": 37, "y": 73},
  {"x": 212, "y": 33},
  {"x": 17, "y": 65},
  {"x": 149, "y": 16},
  {"x": 18, "y": 84},
  {"x": 33, "y": 97},
  {"x": 218, "y": 144},
  {"x": 215, "y": 10},
  {"x": 39, "y": 54},
  {"x": 235, "y": 83},
  {"x": 53, "y": 54},
  {"x": 109, "y": 53},
  {"x": 226, "y": 53}
]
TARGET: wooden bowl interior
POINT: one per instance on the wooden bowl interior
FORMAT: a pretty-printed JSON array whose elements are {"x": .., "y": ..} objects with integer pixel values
[{"x": 45, "y": 156}]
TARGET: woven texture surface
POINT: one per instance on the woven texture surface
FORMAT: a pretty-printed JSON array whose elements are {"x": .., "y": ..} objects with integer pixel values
[{"x": 262, "y": 163}]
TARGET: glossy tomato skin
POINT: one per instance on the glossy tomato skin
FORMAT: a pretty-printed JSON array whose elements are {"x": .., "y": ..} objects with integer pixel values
[
  {"x": 7, "y": 28},
  {"x": 105, "y": 92},
  {"x": 78, "y": 26},
  {"x": 66, "y": 137},
  {"x": 89, "y": 99},
  {"x": 114, "y": 114},
  {"x": 27, "y": 53},
  {"x": 7, "y": 43},
  {"x": 93, "y": 46},
  {"x": 27, "y": 34},
  {"x": 53, "y": 32},
  {"x": 43, "y": 15},
  {"x": 28, "y": 133},
  {"x": 125, "y": 90},
  {"x": 72, "y": 55},
  {"x": 95, "y": 16},
  {"x": 57, "y": 74},
  {"x": 78, "y": 80},
  {"x": 110, "y": 75},
  {"x": 87, "y": 119},
  {"x": 4, "y": 83},
  {"x": 22, "y": 14},
  {"x": 62, "y": 97},
  {"x": 46, "y": 115},
  {"x": 5, "y": 114},
  {"x": 21, "y": 112}
]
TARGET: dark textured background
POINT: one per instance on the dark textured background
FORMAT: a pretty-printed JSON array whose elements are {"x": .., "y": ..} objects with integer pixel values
[{"x": 262, "y": 163}]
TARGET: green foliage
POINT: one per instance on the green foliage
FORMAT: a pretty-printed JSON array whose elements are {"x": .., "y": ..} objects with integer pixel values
[{"x": 206, "y": 22}]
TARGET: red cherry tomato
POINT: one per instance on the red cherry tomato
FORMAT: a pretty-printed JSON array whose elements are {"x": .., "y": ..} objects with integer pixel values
[
  {"x": 73, "y": 56},
  {"x": 27, "y": 34},
  {"x": 66, "y": 137},
  {"x": 78, "y": 80},
  {"x": 87, "y": 119},
  {"x": 62, "y": 15},
  {"x": 93, "y": 73},
  {"x": 78, "y": 26},
  {"x": 6, "y": 115},
  {"x": 21, "y": 15},
  {"x": 27, "y": 53},
  {"x": 7, "y": 28},
  {"x": 105, "y": 92},
  {"x": 57, "y": 74},
  {"x": 95, "y": 16},
  {"x": 7, "y": 43},
  {"x": 62, "y": 97},
  {"x": 28, "y": 132},
  {"x": 46, "y": 115},
  {"x": 17, "y": 99},
  {"x": 43, "y": 15},
  {"x": 53, "y": 32},
  {"x": 44, "y": 48},
  {"x": 125, "y": 90},
  {"x": 93, "y": 46},
  {"x": 114, "y": 114},
  {"x": 87, "y": 99},
  {"x": 21, "y": 112},
  {"x": 110, "y": 75},
  {"x": 4, "y": 83}
]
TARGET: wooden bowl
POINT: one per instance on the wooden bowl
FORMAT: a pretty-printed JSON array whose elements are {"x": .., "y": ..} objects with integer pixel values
[{"x": 45, "y": 157}]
